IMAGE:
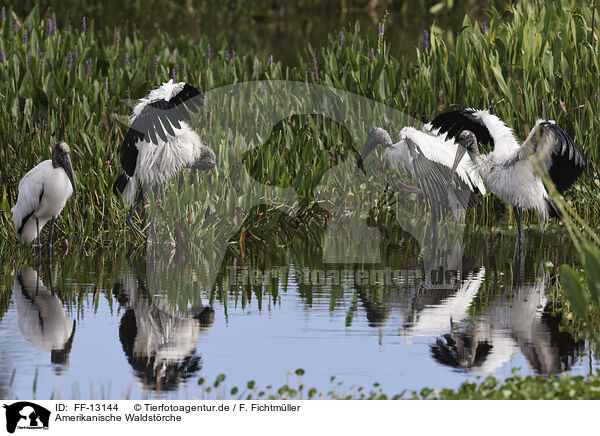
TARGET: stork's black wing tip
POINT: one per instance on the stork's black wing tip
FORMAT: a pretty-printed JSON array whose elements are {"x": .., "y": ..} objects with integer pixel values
[{"x": 120, "y": 184}]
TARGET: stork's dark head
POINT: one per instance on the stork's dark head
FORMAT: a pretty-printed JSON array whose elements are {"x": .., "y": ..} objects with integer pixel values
[
  {"x": 206, "y": 160},
  {"x": 468, "y": 140},
  {"x": 375, "y": 137},
  {"x": 61, "y": 158}
]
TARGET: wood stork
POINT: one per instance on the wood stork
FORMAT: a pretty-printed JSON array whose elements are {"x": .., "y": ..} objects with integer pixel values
[
  {"x": 43, "y": 193},
  {"x": 43, "y": 320},
  {"x": 511, "y": 171},
  {"x": 160, "y": 341},
  {"x": 159, "y": 142},
  {"x": 428, "y": 158}
]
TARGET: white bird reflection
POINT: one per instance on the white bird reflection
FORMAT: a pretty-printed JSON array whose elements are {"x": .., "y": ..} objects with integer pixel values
[
  {"x": 159, "y": 339},
  {"x": 42, "y": 318},
  {"x": 519, "y": 320}
]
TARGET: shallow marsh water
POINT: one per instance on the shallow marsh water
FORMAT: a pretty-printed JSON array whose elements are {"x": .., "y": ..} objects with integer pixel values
[{"x": 143, "y": 328}]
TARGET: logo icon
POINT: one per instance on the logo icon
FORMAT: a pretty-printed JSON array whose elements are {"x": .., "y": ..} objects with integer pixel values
[{"x": 26, "y": 415}]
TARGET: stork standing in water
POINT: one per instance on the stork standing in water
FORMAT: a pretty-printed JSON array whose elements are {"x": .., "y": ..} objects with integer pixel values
[
  {"x": 428, "y": 158},
  {"x": 159, "y": 143},
  {"x": 43, "y": 193},
  {"x": 511, "y": 171}
]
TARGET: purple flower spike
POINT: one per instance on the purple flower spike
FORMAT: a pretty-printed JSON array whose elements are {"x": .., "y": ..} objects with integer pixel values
[
  {"x": 83, "y": 25},
  {"x": 25, "y": 38},
  {"x": 341, "y": 39},
  {"x": 42, "y": 64},
  {"x": 15, "y": 26},
  {"x": 232, "y": 56},
  {"x": 484, "y": 27},
  {"x": 155, "y": 64},
  {"x": 127, "y": 60},
  {"x": 175, "y": 72},
  {"x": 2, "y": 58},
  {"x": 49, "y": 29},
  {"x": 88, "y": 66},
  {"x": 315, "y": 70},
  {"x": 208, "y": 52},
  {"x": 69, "y": 61},
  {"x": 76, "y": 54},
  {"x": 425, "y": 41},
  {"x": 226, "y": 55},
  {"x": 372, "y": 55},
  {"x": 106, "y": 84}
]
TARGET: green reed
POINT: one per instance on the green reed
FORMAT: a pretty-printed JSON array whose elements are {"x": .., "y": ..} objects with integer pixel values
[{"x": 532, "y": 61}]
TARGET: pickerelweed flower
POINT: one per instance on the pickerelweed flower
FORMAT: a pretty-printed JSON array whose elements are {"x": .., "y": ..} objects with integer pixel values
[
  {"x": 155, "y": 64},
  {"x": 49, "y": 30},
  {"x": 315, "y": 70},
  {"x": 425, "y": 41},
  {"x": 341, "y": 39},
  {"x": 42, "y": 63},
  {"x": 73, "y": 95},
  {"x": 484, "y": 27},
  {"x": 76, "y": 53},
  {"x": 106, "y": 84},
  {"x": 88, "y": 66},
  {"x": 208, "y": 52},
  {"x": 15, "y": 26},
  {"x": 372, "y": 55},
  {"x": 226, "y": 55},
  {"x": 25, "y": 37},
  {"x": 1, "y": 56},
  {"x": 69, "y": 61},
  {"x": 127, "y": 60},
  {"x": 175, "y": 72},
  {"x": 232, "y": 56},
  {"x": 83, "y": 25}
]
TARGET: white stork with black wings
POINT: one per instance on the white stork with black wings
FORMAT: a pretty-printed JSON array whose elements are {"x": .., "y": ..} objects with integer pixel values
[
  {"x": 160, "y": 142},
  {"x": 511, "y": 171},
  {"x": 428, "y": 158}
]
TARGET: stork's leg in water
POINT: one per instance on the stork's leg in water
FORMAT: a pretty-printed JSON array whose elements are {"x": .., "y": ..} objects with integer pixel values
[
  {"x": 49, "y": 241},
  {"x": 37, "y": 227},
  {"x": 519, "y": 217},
  {"x": 138, "y": 200}
]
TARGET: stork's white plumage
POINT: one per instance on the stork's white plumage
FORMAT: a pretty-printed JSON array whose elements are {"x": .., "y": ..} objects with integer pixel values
[
  {"x": 43, "y": 193},
  {"x": 43, "y": 320},
  {"x": 512, "y": 172},
  {"x": 428, "y": 158},
  {"x": 159, "y": 142}
]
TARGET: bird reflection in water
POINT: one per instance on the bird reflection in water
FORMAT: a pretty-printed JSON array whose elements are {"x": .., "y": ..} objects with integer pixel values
[
  {"x": 159, "y": 340},
  {"x": 42, "y": 318},
  {"x": 523, "y": 320}
]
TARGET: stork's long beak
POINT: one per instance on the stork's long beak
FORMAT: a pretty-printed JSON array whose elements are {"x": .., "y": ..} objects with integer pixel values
[
  {"x": 367, "y": 149},
  {"x": 69, "y": 170},
  {"x": 460, "y": 152}
]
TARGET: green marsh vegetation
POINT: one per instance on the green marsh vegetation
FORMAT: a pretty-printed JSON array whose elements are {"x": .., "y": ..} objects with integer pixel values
[{"x": 527, "y": 61}]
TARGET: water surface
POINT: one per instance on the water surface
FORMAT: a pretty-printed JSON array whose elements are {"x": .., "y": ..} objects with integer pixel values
[{"x": 112, "y": 327}]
